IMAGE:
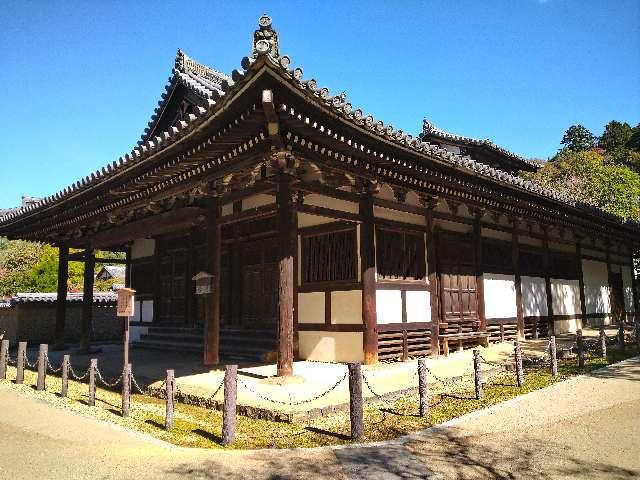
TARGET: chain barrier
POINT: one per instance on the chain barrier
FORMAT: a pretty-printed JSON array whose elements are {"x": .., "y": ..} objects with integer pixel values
[
  {"x": 10, "y": 361},
  {"x": 135, "y": 384},
  {"x": 104, "y": 382},
  {"x": 26, "y": 361},
  {"x": 214, "y": 393},
  {"x": 77, "y": 377},
  {"x": 493, "y": 364},
  {"x": 292, "y": 402},
  {"x": 366, "y": 382},
  {"x": 50, "y": 367}
]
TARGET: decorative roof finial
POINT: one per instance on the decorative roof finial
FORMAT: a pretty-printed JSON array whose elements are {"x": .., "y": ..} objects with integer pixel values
[
  {"x": 179, "y": 64},
  {"x": 265, "y": 39}
]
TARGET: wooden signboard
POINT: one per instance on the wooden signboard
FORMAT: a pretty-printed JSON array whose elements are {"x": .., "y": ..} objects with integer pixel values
[
  {"x": 125, "y": 302},
  {"x": 203, "y": 283}
]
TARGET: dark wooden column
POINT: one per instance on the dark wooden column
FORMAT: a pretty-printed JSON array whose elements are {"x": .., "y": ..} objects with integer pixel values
[
  {"x": 551, "y": 326},
  {"x": 515, "y": 262},
  {"x": 634, "y": 289},
  {"x": 432, "y": 274},
  {"x": 212, "y": 317},
  {"x": 87, "y": 299},
  {"x": 285, "y": 274},
  {"x": 477, "y": 238},
  {"x": 127, "y": 268},
  {"x": 368, "y": 273},
  {"x": 61, "y": 303},
  {"x": 583, "y": 304}
]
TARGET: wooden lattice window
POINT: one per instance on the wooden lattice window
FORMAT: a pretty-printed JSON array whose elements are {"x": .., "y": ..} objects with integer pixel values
[
  {"x": 400, "y": 255},
  {"x": 329, "y": 257}
]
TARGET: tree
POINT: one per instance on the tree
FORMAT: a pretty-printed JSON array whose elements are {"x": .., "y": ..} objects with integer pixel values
[
  {"x": 616, "y": 136},
  {"x": 578, "y": 139}
]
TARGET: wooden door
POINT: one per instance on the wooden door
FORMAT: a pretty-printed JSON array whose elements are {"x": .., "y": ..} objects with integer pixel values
[
  {"x": 259, "y": 285},
  {"x": 173, "y": 283}
]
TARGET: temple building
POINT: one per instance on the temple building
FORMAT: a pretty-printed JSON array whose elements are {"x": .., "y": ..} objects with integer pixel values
[{"x": 325, "y": 234}]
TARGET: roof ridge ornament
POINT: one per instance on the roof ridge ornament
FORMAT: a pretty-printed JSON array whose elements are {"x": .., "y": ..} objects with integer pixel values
[{"x": 265, "y": 39}]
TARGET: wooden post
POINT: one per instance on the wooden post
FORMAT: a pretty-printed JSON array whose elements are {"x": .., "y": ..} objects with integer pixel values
[
  {"x": 42, "y": 368},
  {"x": 621, "y": 336},
  {"x": 22, "y": 351},
  {"x": 61, "y": 299},
  {"x": 515, "y": 262},
  {"x": 229, "y": 407},
  {"x": 580, "y": 345},
  {"x": 517, "y": 353},
  {"x": 477, "y": 235},
  {"x": 355, "y": 402},
  {"x": 214, "y": 246},
  {"x": 91, "y": 397},
  {"x": 65, "y": 376},
  {"x": 432, "y": 273},
  {"x": 603, "y": 342},
  {"x": 126, "y": 390},
  {"x": 547, "y": 284},
  {"x": 285, "y": 275},
  {"x": 87, "y": 300},
  {"x": 554, "y": 355},
  {"x": 368, "y": 272},
  {"x": 4, "y": 358},
  {"x": 423, "y": 391},
  {"x": 583, "y": 303},
  {"x": 170, "y": 384},
  {"x": 477, "y": 374}
]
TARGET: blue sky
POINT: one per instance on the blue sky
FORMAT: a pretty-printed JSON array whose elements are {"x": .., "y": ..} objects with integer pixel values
[{"x": 81, "y": 79}]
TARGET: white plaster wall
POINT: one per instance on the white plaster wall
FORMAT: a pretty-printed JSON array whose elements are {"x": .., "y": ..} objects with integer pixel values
[
  {"x": 497, "y": 234},
  {"x": 398, "y": 216},
  {"x": 308, "y": 220},
  {"x": 565, "y": 297},
  {"x": 418, "y": 306},
  {"x": 534, "y": 296},
  {"x": 258, "y": 200},
  {"x": 329, "y": 202},
  {"x": 331, "y": 346},
  {"x": 311, "y": 307},
  {"x": 453, "y": 226},
  {"x": 627, "y": 285},
  {"x": 346, "y": 307},
  {"x": 389, "y": 306},
  {"x": 499, "y": 295},
  {"x": 526, "y": 240},
  {"x": 227, "y": 209},
  {"x": 143, "y": 247},
  {"x": 596, "y": 287}
]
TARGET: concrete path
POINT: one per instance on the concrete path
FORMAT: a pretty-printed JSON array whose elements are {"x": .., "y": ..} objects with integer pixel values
[{"x": 584, "y": 428}]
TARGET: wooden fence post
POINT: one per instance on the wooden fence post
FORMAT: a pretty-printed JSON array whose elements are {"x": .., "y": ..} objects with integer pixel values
[
  {"x": 621, "y": 335},
  {"x": 477, "y": 373},
  {"x": 229, "y": 407},
  {"x": 93, "y": 366},
  {"x": 603, "y": 342},
  {"x": 517, "y": 353},
  {"x": 423, "y": 391},
  {"x": 126, "y": 390},
  {"x": 355, "y": 402},
  {"x": 65, "y": 375},
  {"x": 41, "y": 382},
  {"x": 554, "y": 355},
  {"x": 22, "y": 351},
  {"x": 170, "y": 384},
  {"x": 580, "y": 345},
  {"x": 636, "y": 325},
  {"x": 4, "y": 358}
]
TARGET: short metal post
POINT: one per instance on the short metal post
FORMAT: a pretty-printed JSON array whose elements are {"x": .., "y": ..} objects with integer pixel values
[
  {"x": 126, "y": 390},
  {"x": 65, "y": 375},
  {"x": 423, "y": 389},
  {"x": 42, "y": 368},
  {"x": 170, "y": 383},
  {"x": 229, "y": 406},
  {"x": 580, "y": 345},
  {"x": 621, "y": 335},
  {"x": 355, "y": 402},
  {"x": 517, "y": 353},
  {"x": 93, "y": 366},
  {"x": 554, "y": 355},
  {"x": 477, "y": 373},
  {"x": 4, "y": 358},
  {"x": 22, "y": 352}
]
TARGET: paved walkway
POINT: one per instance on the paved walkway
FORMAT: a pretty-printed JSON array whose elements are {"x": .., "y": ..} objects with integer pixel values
[{"x": 584, "y": 428}]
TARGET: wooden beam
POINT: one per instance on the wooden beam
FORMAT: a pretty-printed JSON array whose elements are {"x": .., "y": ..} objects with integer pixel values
[
  {"x": 61, "y": 304},
  {"x": 432, "y": 275},
  {"x": 515, "y": 263},
  {"x": 273, "y": 122},
  {"x": 368, "y": 272},
  {"x": 172, "y": 221},
  {"x": 285, "y": 275},
  {"x": 86, "y": 328},
  {"x": 551, "y": 328},
  {"x": 214, "y": 247},
  {"x": 477, "y": 237},
  {"x": 634, "y": 290},
  {"x": 583, "y": 307}
]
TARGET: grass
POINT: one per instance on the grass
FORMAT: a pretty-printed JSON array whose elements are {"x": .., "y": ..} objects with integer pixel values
[{"x": 200, "y": 427}]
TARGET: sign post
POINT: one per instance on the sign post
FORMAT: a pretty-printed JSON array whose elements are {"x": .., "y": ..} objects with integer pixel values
[
  {"x": 203, "y": 282},
  {"x": 125, "y": 309}
]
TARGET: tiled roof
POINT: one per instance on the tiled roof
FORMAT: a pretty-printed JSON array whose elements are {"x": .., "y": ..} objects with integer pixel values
[
  {"x": 116, "y": 271},
  {"x": 98, "y": 297}
]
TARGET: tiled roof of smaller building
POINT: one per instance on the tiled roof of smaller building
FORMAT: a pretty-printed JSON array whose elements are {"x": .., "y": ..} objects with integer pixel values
[
  {"x": 98, "y": 297},
  {"x": 115, "y": 271}
]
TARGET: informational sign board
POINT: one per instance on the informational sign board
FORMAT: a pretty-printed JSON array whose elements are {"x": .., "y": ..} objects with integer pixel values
[
  {"x": 126, "y": 302},
  {"x": 203, "y": 283}
]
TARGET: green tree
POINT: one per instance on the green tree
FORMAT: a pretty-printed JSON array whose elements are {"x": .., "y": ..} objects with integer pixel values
[
  {"x": 616, "y": 136},
  {"x": 577, "y": 138}
]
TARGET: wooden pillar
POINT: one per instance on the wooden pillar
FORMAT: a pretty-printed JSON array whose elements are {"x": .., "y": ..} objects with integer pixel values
[
  {"x": 477, "y": 238},
  {"x": 86, "y": 329},
  {"x": 515, "y": 262},
  {"x": 634, "y": 289},
  {"x": 432, "y": 273},
  {"x": 212, "y": 317},
  {"x": 547, "y": 283},
  {"x": 285, "y": 275},
  {"x": 61, "y": 303},
  {"x": 583, "y": 304},
  {"x": 368, "y": 273},
  {"x": 127, "y": 268}
]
